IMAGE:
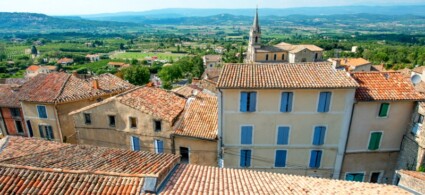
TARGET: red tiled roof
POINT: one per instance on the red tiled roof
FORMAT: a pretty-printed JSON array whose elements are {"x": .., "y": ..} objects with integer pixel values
[
  {"x": 214, "y": 58},
  {"x": 385, "y": 86},
  {"x": 154, "y": 101},
  {"x": 277, "y": 76},
  {"x": 28, "y": 180},
  {"x": 212, "y": 74},
  {"x": 352, "y": 61},
  {"x": 195, "y": 179},
  {"x": 187, "y": 90},
  {"x": 62, "y": 87},
  {"x": 65, "y": 61},
  {"x": 33, "y": 68},
  {"x": 200, "y": 118},
  {"x": 8, "y": 96},
  {"x": 415, "y": 174}
]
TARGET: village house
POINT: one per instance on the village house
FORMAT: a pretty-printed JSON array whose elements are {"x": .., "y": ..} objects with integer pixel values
[
  {"x": 93, "y": 57},
  {"x": 42, "y": 168},
  {"x": 382, "y": 112},
  {"x": 118, "y": 65},
  {"x": 211, "y": 61},
  {"x": 411, "y": 181},
  {"x": 282, "y": 52},
  {"x": 34, "y": 70},
  {"x": 261, "y": 107},
  {"x": 48, "y": 98},
  {"x": 65, "y": 61},
  {"x": 12, "y": 120},
  {"x": 352, "y": 64}
]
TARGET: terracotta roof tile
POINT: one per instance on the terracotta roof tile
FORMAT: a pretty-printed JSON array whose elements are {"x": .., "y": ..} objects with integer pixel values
[
  {"x": 33, "y": 68},
  {"x": 214, "y": 58},
  {"x": 385, "y": 86},
  {"x": 353, "y": 61},
  {"x": 195, "y": 179},
  {"x": 187, "y": 90},
  {"x": 212, "y": 74},
  {"x": 14, "y": 81},
  {"x": 200, "y": 118},
  {"x": 277, "y": 76},
  {"x": 65, "y": 61},
  {"x": 9, "y": 96}
]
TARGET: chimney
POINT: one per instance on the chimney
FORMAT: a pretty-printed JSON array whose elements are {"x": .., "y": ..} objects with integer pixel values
[
  {"x": 336, "y": 63},
  {"x": 75, "y": 74},
  {"x": 95, "y": 84}
]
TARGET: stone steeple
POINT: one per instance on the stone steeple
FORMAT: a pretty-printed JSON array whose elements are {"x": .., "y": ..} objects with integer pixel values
[{"x": 255, "y": 33}]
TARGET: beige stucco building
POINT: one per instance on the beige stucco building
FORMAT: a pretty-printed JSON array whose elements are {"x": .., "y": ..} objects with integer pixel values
[
  {"x": 280, "y": 53},
  {"x": 273, "y": 119},
  {"x": 48, "y": 99},
  {"x": 381, "y": 115}
]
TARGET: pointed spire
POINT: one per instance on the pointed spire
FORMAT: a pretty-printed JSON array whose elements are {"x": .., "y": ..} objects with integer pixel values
[{"x": 256, "y": 25}]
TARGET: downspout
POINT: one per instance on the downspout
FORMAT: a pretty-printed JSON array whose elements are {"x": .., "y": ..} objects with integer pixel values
[
  {"x": 346, "y": 141},
  {"x": 58, "y": 123},
  {"x": 220, "y": 130}
]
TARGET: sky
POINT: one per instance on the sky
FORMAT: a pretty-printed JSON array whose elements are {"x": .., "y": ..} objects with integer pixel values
[{"x": 84, "y": 7}]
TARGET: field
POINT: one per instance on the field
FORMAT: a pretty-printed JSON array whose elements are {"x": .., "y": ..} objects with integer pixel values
[{"x": 161, "y": 56}]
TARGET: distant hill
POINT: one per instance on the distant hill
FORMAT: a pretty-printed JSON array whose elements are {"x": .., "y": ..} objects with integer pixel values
[
  {"x": 31, "y": 21},
  {"x": 183, "y": 12}
]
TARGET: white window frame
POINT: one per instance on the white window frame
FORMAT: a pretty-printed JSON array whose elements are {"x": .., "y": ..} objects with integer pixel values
[
  {"x": 251, "y": 161},
  {"x": 324, "y": 139},
  {"x": 381, "y": 175},
  {"x": 321, "y": 158},
  {"x": 286, "y": 159},
  {"x": 380, "y": 141},
  {"x": 379, "y": 109},
  {"x": 256, "y": 103},
  {"x": 240, "y": 134},
  {"x": 280, "y": 102},
  {"x": 156, "y": 145},
  {"x": 38, "y": 113},
  {"x": 363, "y": 172},
  {"x": 330, "y": 102},
  {"x": 289, "y": 135}
]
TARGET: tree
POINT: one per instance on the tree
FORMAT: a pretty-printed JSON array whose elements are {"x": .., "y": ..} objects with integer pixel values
[
  {"x": 122, "y": 46},
  {"x": 3, "y": 55},
  {"x": 170, "y": 73},
  {"x": 137, "y": 75},
  {"x": 34, "y": 50}
]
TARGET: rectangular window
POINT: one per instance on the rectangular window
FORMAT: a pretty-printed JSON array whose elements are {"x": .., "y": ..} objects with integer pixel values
[
  {"x": 283, "y": 135},
  {"x": 159, "y": 146},
  {"x": 383, "y": 109},
  {"x": 280, "y": 159},
  {"x": 15, "y": 112},
  {"x": 135, "y": 143},
  {"x": 354, "y": 177},
  {"x": 157, "y": 125},
  {"x": 375, "y": 177},
  {"x": 315, "y": 158},
  {"x": 19, "y": 127},
  {"x": 42, "y": 113},
  {"x": 248, "y": 101},
  {"x": 420, "y": 119},
  {"x": 184, "y": 153},
  {"x": 246, "y": 135},
  {"x": 286, "y": 102},
  {"x": 111, "y": 120},
  {"x": 87, "y": 118},
  {"x": 46, "y": 132},
  {"x": 133, "y": 122},
  {"x": 375, "y": 140},
  {"x": 245, "y": 160},
  {"x": 324, "y": 102},
  {"x": 319, "y": 135}
]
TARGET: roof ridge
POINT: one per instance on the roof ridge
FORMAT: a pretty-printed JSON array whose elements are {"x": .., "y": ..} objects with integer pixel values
[
  {"x": 62, "y": 88},
  {"x": 58, "y": 170}
]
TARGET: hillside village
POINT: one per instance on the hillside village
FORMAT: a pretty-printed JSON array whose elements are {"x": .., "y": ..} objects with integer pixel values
[{"x": 284, "y": 121}]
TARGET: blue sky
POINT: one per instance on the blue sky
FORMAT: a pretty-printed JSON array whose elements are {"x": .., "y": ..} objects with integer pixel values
[{"x": 75, "y": 7}]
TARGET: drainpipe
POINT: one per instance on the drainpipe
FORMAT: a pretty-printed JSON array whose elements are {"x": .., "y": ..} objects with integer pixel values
[
  {"x": 58, "y": 123},
  {"x": 220, "y": 130},
  {"x": 346, "y": 141}
]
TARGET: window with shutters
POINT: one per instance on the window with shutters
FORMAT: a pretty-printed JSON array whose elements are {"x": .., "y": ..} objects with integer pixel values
[
  {"x": 319, "y": 135},
  {"x": 383, "y": 110},
  {"x": 245, "y": 160},
  {"x": 315, "y": 158},
  {"x": 159, "y": 146},
  {"x": 135, "y": 143},
  {"x": 375, "y": 140},
  {"x": 286, "y": 102},
  {"x": 246, "y": 135},
  {"x": 46, "y": 132},
  {"x": 248, "y": 101},
  {"x": 42, "y": 113},
  {"x": 283, "y": 135},
  {"x": 280, "y": 158},
  {"x": 354, "y": 177},
  {"x": 324, "y": 102}
]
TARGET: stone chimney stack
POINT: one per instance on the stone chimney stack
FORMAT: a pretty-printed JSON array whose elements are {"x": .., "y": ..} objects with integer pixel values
[
  {"x": 336, "y": 63},
  {"x": 95, "y": 84}
]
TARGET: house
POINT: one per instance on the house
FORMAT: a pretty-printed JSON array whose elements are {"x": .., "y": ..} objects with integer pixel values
[
  {"x": 211, "y": 61},
  {"x": 42, "y": 168},
  {"x": 382, "y": 111},
  {"x": 219, "y": 49},
  {"x": 48, "y": 98},
  {"x": 280, "y": 53},
  {"x": 411, "y": 181},
  {"x": 353, "y": 64},
  {"x": 65, "y": 61},
  {"x": 34, "y": 70},
  {"x": 262, "y": 112},
  {"x": 118, "y": 65},
  {"x": 12, "y": 120},
  {"x": 140, "y": 119},
  {"x": 93, "y": 57}
]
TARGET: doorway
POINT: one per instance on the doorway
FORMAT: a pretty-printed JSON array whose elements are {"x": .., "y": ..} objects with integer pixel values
[{"x": 184, "y": 152}]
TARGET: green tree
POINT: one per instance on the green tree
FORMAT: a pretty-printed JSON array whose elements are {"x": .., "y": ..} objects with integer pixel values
[
  {"x": 137, "y": 75},
  {"x": 170, "y": 73},
  {"x": 34, "y": 50}
]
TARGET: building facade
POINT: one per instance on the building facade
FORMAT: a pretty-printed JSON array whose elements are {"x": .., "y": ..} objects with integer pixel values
[
  {"x": 261, "y": 107},
  {"x": 382, "y": 112},
  {"x": 12, "y": 120},
  {"x": 280, "y": 53}
]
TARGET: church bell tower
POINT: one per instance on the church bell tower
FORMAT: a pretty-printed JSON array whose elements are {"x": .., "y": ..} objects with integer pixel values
[{"x": 255, "y": 33}]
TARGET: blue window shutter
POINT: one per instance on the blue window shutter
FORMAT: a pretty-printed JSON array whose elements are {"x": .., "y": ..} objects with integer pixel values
[
  {"x": 289, "y": 107},
  {"x": 313, "y": 157},
  {"x": 349, "y": 177},
  {"x": 246, "y": 135},
  {"x": 136, "y": 143},
  {"x": 243, "y": 102},
  {"x": 243, "y": 158},
  {"x": 318, "y": 159},
  {"x": 248, "y": 158},
  {"x": 328, "y": 101},
  {"x": 41, "y": 111},
  {"x": 252, "y": 101},
  {"x": 283, "y": 135},
  {"x": 322, "y": 102},
  {"x": 286, "y": 102},
  {"x": 280, "y": 160},
  {"x": 160, "y": 146},
  {"x": 322, "y": 135},
  {"x": 40, "y": 129},
  {"x": 317, "y": 135},
  {"x": 50, "y": 133}
]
